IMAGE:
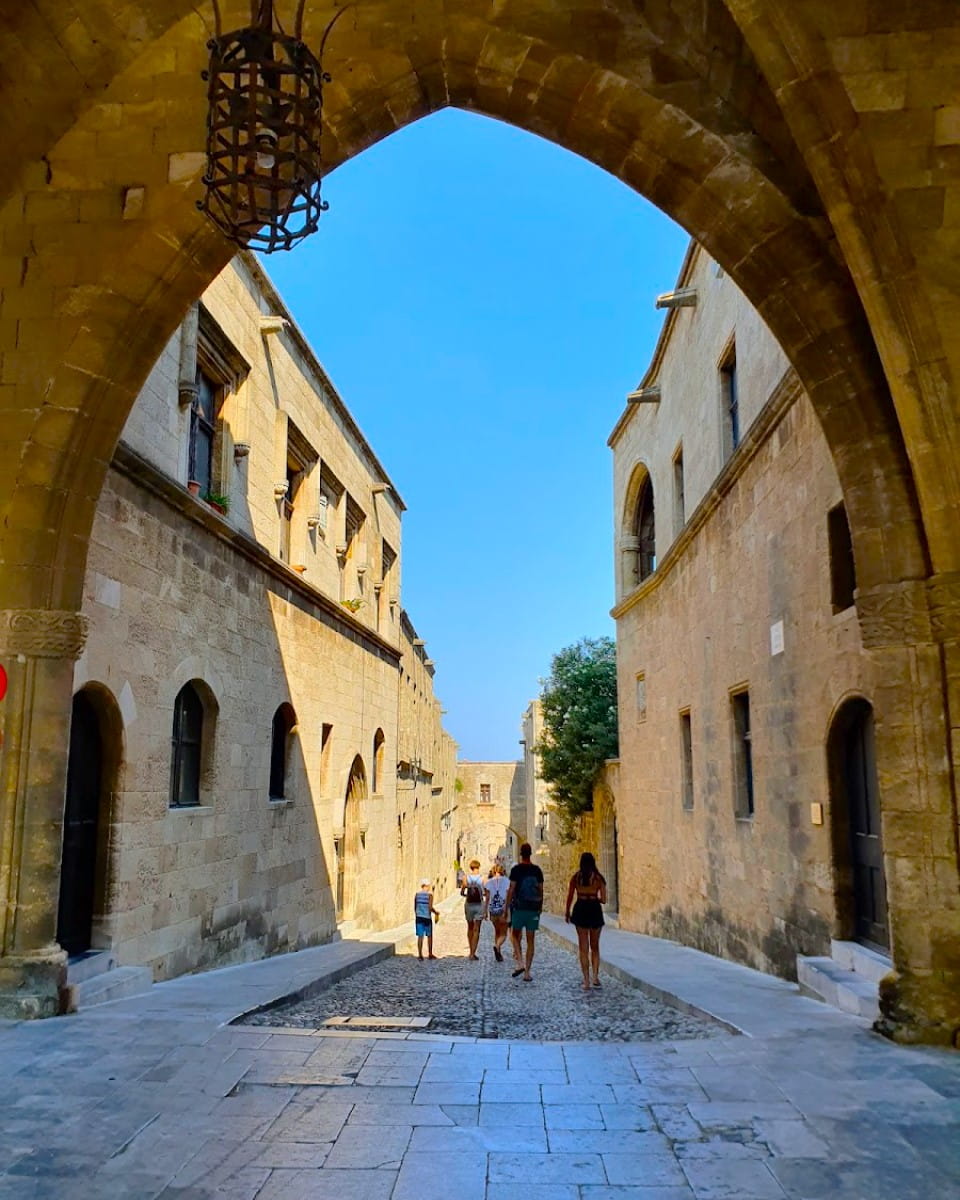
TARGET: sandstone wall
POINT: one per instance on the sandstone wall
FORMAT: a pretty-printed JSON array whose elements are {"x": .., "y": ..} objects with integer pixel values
[{"x": 751, "y": 569}]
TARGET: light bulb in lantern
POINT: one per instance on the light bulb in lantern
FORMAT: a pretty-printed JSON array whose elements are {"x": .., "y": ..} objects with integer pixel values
[{"x": 266, "y": 146}]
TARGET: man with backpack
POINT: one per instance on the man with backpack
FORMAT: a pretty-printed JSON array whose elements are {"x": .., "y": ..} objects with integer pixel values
[{"x": 525, "y": 903}]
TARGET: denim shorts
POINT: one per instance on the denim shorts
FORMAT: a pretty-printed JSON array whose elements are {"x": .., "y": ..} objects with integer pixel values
[{"x": 424, "y": 927}]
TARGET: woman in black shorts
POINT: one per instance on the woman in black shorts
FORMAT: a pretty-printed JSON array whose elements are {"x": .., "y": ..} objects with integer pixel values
[{"x": 590, "y": 889}]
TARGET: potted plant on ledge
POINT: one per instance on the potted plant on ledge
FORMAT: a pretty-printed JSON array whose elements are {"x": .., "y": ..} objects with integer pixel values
[{"x": 218, "y": 501}]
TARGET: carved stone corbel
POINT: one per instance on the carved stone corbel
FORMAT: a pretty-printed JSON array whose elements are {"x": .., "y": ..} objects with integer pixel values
[{"x": 42, "y": 632}]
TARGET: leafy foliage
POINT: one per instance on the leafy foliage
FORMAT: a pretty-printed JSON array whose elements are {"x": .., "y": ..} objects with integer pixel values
[{"x": 579, "y": 702}]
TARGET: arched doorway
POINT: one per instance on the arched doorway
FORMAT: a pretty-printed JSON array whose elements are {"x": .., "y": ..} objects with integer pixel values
[
  {"x": 91, "y": 772},
  {"x": 857, "y": 837},
  {"x": 348, "y": 858}
]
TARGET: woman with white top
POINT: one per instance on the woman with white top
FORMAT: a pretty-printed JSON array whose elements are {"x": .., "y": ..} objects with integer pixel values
[{"x": 495, "y": 907}]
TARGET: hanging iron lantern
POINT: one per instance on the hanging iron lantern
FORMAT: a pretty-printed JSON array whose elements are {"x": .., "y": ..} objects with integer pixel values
[{"x": 265, "y": 93}]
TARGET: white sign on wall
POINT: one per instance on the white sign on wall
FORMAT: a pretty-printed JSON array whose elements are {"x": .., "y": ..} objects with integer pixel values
[{"x": 776, "y": 638}]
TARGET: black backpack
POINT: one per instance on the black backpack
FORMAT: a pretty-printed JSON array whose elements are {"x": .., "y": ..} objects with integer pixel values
[
  {"x": 474, "y": 893},
  {"x": 529, "y": 897}
]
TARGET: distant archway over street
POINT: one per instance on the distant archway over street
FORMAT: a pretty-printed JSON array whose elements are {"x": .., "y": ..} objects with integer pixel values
[{"x": 811, "y": 148}]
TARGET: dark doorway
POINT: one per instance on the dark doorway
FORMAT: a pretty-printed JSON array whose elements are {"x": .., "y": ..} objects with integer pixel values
[
  {"x": 79, "y": 867},
  {"x": 858, "y": 844}
]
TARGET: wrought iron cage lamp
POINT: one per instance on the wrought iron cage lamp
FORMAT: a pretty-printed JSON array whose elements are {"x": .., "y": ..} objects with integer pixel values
[{"x": 265, "y": 94}]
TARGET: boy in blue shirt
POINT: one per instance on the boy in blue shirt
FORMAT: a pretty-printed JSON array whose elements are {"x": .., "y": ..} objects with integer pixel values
[{"x": 422, "y": 911}]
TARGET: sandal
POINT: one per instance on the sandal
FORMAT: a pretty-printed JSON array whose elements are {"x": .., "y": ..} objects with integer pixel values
[
  {"x": 517, "y": 972},
  {"x": 597, "y": 983}
]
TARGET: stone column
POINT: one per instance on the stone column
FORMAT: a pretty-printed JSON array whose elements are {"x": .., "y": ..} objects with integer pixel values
[
  {"x": 912, "y": 631},
  {"x": 38, "y": 648},
  {"x": 629, "y": 564}
]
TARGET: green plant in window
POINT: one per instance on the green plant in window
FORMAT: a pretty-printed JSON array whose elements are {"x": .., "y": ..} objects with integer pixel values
[
  {"x": 217, "y": 500},
  {"x": 353, "y": 605}
]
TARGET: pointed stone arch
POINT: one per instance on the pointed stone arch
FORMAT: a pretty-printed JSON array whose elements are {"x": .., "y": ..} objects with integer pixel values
[
  {"x": 748, "y": 121},
  {"x": 351, "y": 843}
]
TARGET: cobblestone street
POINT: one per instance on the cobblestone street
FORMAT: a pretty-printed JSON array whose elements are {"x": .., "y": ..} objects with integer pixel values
[
  {"x": 163, "y": 1097},
  {"x": 482, "y": 999}
]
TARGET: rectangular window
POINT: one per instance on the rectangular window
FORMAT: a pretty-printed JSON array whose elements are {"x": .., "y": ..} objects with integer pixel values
[
  {"x": 730, "y": 400},
  {"x": 325, "y": 741},
  {"x": 485, "y": 793},
  {"x": 679, "y": 499},
  {"x": 294, "y": 478},
  {"x": 742, "y": 754},
  {"x": 203, "y": 432},
  {"x": 641, "y": 698},
  {"x": 301, "y": 458},
  {"x": 686, "y": 760},
  {"x": 843, "y": 571}
]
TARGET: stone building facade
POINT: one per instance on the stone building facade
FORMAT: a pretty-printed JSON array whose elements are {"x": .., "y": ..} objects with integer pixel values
[
  {"x": 257, "y": 752},
  {"x": 748, "y": 799},
  {"x": 492, "y": 809}
]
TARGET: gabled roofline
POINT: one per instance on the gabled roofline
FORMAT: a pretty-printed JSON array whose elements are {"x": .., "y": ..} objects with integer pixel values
[{"x": 666, "y": 331}]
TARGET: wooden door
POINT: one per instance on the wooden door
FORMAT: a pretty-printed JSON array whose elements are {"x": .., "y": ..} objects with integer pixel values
[{"x": 866, "y": 843}]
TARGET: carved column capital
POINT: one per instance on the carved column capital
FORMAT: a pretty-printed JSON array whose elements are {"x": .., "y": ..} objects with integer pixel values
[
  {"x": 42, "y": 632},
  {"x": 944, "y": 595},
  {"x": 894, "y": 614},
  {"x": 913, "y": 612}
]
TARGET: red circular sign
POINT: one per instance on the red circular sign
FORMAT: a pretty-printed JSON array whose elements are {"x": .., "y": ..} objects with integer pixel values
[{"x": 3, "y": 683}]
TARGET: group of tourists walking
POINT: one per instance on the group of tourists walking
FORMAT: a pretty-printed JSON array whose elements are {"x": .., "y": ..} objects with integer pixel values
[{"x": 513, "y": 904}]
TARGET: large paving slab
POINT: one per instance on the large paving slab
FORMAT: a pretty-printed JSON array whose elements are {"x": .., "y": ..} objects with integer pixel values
[{"x": 160, "y": 1096}]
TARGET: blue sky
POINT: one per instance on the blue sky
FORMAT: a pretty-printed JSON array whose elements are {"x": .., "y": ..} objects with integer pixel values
[{"x": 483, "y": 301}]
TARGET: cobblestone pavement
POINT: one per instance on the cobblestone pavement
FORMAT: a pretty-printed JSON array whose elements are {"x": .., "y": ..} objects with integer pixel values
[{"x": 481, "y": 999}]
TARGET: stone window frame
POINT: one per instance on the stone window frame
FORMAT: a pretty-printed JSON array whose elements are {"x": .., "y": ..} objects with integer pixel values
[
  {"x": 486, "y": 794},
  {"x": 301, "y": 459},
  {"x": 842, "y": 562},
  {"x": 742, "y": 756},
  {"x": 679, "y": 492},
  {"x": 376, "y": 763},
  {"x": 728, "y": 378},
  {"x": 687, "y": 788},
  {"x": 204, "y": 743},
  {"x": 640, "y": 696},
  {"x": 282, "y": 737},
  {"x": 225, "y": 369}
]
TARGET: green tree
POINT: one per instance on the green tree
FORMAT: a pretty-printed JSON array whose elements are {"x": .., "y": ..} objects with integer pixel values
[{"x": 579, "y": 702}]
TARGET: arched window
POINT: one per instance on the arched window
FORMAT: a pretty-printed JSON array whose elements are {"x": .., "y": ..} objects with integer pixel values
[
  {"x": 376, "y": 782},
  {"x": 187, "y": 746},
  {"x": 284, "y": 722},
  {"x": 646, "y": 531}
]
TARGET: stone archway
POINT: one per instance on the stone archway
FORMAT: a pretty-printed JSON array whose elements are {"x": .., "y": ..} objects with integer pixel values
[{"x": 820, "y": 178}]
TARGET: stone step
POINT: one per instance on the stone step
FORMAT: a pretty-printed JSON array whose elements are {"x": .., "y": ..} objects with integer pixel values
[
  {"x": 823, "y": 979},
  {"x": 869, "y": 964},
  {"x": 88, "y": 965},
  {"x": 113, "y": 985}
]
